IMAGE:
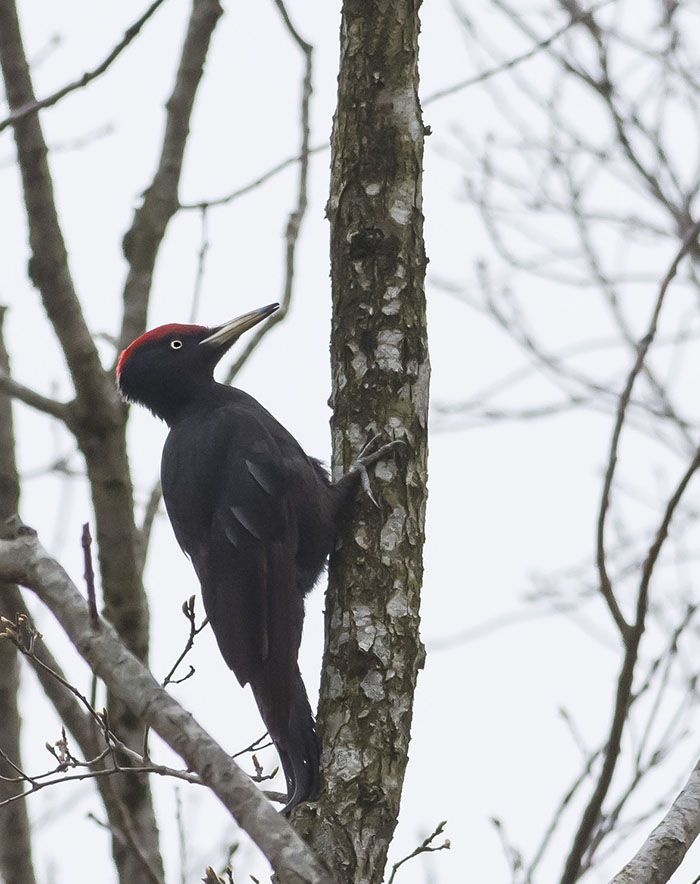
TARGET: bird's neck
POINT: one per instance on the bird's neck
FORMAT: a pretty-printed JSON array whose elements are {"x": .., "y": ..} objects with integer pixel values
[{"x": 200, "y": 401}]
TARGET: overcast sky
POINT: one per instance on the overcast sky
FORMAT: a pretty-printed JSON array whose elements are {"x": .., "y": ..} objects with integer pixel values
[{"x": 508, "y": 501}]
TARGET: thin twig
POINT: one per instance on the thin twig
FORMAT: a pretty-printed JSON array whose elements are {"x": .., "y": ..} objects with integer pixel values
[
  {"x": 143, "y": 239},
  {"x": 90, "y": 576},
  {"x": 642, "y": 350},
  {"x": 188, "y": 609},
  {"x": 297, "y": 215},
  {"x": 201, "y": 257},
  {"x": 255, "y": 746},
  {"x": 24, "y": 559},
  {"x": 425, "y": 847},
  {"x": 32, "y": 107},
  {"x": 555, "y": 821},
  {"x": 430, "y": 99},
  {"x": 37, "y": 783},
  {"x": 130, "y": 833},
  {"x": 23, "y": 635},
  {"x": 509, "y": 63},
  {"x": 149, "y": 517},
  {"x": 253, "y": 185},
  {"x": 631, "y": 633},
  {"x": 181, "y": 840}
]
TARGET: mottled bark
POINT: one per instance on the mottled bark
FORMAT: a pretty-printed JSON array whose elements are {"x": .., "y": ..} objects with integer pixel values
[
  {"x": 15, "y": 835},
  {"x": 380, "y": 385},
  {"x": 663, "y": 851}
]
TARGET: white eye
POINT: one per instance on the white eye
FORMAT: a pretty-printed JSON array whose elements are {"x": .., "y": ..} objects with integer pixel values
[{"x": 175, "y": 345}]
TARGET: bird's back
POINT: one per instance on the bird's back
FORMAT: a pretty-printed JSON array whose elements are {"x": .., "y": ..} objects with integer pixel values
[
  {"x": 243, "y": 499},
  {"x": 253, "y": 512}
]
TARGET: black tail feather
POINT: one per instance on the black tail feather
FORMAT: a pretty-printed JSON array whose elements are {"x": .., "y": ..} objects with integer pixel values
[{"x": 294, "y": 736}]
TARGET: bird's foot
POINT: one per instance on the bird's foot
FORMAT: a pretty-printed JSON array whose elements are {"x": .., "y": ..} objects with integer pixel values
[{"x": 369, "y": 455}]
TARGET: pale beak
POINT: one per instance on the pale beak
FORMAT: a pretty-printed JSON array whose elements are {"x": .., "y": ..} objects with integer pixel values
[{"x": 226, "y": 334}]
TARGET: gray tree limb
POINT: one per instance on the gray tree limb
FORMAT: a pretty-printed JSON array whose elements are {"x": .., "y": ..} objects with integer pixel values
[
  {"x": 663, "y": 851},
  {"x": 24, "y": 561}
]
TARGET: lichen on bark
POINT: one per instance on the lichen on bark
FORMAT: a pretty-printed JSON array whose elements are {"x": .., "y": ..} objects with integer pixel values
[{"x": 380, "y": 385}]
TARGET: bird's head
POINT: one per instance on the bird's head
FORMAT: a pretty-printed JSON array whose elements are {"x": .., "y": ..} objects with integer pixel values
[{"x": 172, "y": 365}]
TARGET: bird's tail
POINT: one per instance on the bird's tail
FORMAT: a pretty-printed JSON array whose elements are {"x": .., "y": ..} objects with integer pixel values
[{"x": 293, "y": 732}]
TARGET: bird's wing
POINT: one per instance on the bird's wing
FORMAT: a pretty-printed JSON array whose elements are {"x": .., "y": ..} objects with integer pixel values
[{"x": 234, "y": 517}]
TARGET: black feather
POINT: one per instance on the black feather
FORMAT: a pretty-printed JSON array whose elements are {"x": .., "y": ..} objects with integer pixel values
[{"x": 257, "y": 518}]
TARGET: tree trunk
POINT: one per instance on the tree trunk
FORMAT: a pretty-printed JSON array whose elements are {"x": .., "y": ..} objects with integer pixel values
[
  {"x": 380, "y": 385},
  {"x": 15, "y": 837},
  {"x": 98, "y": 419}
]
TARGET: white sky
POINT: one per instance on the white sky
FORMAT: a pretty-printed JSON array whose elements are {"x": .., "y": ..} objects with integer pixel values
[{"x": 506, "y": 502}]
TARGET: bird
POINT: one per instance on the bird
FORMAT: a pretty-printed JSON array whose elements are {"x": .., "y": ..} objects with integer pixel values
[{"x": 256, "y": 516}]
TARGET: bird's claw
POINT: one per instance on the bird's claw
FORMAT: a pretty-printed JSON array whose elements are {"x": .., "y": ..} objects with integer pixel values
[
  {"x": 364, "y": 481},
  {"x": 369, "y": 455},
  {"x": 369, "y": 446}
]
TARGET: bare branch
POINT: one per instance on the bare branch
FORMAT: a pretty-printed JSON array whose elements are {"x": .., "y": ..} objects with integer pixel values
[
  {"x": 149, "y": 517},
  {"x": 53, "y": 682},
  {"x": 297, "y": 215},
  {"x": 61, "y": 410},
  {"x": 126, "y": 607},
  {"x": 564, "y": 803},
  {"x": 201, "y": 258},
  {"x": 253, "y": 185},
  {"x": 48, "y": 267},
  {"x": 142, "y": 241},
  {"x": 16, "y": 863},
  {"x": 425, "y": 847},
  {"x": 46, "y": 780},
  {"x": 642, "y": 349},
  {"x": 188, "y": 609},
  {"x": 25, "y": 561},
  {"x": 255, "y": 746},
  {"x": 664, "y": 849},
  {"x": 604, "y": 87},
  {"x": 90, "y": 576},
  {"x": 32, "y": 107},
  {"x": 510, "y": 63},
  {"x": 631, "y": 633}
]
